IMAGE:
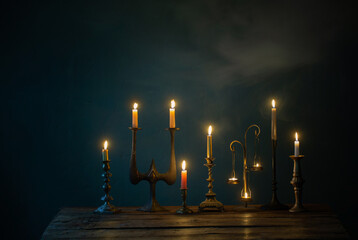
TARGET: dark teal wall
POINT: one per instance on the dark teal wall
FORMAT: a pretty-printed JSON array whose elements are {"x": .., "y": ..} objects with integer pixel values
[{"x": 70, "y": 72}]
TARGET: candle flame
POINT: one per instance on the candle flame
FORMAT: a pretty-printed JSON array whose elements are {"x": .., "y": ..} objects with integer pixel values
[
  {"x": 183, "y": 165},
  {"x": 246, "y": 196},
  {"x": 135, "y": 105},
  {"x": 210, "y": 129},
  {"x": 257, "y": 165},
  {"x": 273, "y": 103},
  {"x": 105, "y": 145},
  {"x": 172, "y": 103},
  {"x": 296, "y": 136}
]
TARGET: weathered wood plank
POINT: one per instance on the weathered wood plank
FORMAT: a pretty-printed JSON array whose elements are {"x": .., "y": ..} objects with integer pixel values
[{"x": 318, "y": 223}]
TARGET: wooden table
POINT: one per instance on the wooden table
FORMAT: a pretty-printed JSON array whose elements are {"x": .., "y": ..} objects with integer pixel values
[{"x": 235, "y": 223}]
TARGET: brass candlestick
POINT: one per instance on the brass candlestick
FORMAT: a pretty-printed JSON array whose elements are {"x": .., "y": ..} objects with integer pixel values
[
  {"x": 297, "y": 183},
  {"x": 246, "y": 192},
  {"x": 107, "y": 208},
  {"x": 152, "y": 175},
  {"x": 275, "y": 203},
  {"x": 184, "y": 209},
  {"x": 210, "y": 203}
]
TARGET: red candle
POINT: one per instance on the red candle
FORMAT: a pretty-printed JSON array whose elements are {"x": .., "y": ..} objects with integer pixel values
[{"x": 183, "y": 176}]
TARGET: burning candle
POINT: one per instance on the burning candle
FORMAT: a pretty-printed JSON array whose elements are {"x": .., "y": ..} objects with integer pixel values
[
  {"x": 184, "y": 175},
  {"x": 105, "y": 151},
  {"x": 172, "y": 114},
  {"x": 246, "y": 195},
  {"x": 297, "y": 146},
  {"x": 273, "y": 122},
  {"x": 135, "y": 116},
  {"x": 209, "y": 153}
]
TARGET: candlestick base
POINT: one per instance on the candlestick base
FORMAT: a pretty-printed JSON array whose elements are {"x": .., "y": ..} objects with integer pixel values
[
  {"x": 297, "y": 183},
  {"x": 107, "y": 208},
  {"x": 211, "y": 204}
]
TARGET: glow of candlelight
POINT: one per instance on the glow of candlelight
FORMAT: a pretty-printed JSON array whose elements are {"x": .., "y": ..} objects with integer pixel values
[
  {"x": 210, "y": 129},
  {"x": 273, "y": 103},
  {"x": 105, "y": 145},
  {"x": 172, "y": 103},
  {"x": 135, "y": 106},
  {"x": 296, "y": 136},
  {"x": 183, "y": 165}
]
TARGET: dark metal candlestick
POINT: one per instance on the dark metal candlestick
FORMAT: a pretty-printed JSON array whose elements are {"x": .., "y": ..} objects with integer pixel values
[
  {"x": 184, "y": 209},
  {"x": 274, "y": 204},
  {"x": 152, "y": 175},
  {"x": 107, "y": 207},
  {"x": 297, "y": 182},
  {"x": 210, "y": 203}
]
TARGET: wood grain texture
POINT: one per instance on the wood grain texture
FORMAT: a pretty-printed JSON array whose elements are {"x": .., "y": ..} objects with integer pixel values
[{"x": 234, "y": 223}]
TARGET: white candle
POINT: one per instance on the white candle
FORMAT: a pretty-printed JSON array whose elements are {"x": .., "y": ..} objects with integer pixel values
[
  {"x": 297, "y": 146},
  {"x": 273, "y": 122},
  {"x": 172, "y": 115},
  {"x": 209, "y": 148},
  {"x": 135, "y": 116}
]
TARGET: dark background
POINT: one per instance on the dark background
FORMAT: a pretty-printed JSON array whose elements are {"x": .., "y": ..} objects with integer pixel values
[{"x": 71, "y": 70}]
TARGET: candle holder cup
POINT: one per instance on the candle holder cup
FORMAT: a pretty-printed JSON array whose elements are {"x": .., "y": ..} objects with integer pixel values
[
  {"x": 107, "y": 207},
  {"x": 184, "y": 209},
  {"x": 210, "y": 203},
  {"x": 152, "y": 175},
  {"x": 297, "y": 183}
]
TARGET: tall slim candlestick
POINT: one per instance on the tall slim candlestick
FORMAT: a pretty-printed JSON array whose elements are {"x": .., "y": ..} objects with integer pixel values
[
  {"x": 172, "y": 114},
  {"x": 209, "y": 143},
  {"x": 273, "y": 121},
  {"x": 135, "y": 116}
]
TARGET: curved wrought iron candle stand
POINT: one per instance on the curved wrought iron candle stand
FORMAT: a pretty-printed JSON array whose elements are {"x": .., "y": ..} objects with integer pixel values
[
  {"x": 152, "y": 175},
  {"x": 245, "y": 192}
]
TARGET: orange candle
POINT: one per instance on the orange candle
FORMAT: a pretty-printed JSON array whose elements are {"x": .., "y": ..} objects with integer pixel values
[
  {"x": 184, "y": 175},
  {"x": 135, "y": 116},
  {"x": 172, "y": 115}
]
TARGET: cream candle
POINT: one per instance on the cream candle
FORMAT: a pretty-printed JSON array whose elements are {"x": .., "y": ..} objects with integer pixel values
[
  {"x": 172, "y": 114},
  {"x": 184, "y": 175},
  {"x": 209, "y": 148},
  {"x": 105, "y": 151},
  {"x": 297, "y": 146},
  {"x": 273, "y": 121},
  {"x": 135, "y": 116}
]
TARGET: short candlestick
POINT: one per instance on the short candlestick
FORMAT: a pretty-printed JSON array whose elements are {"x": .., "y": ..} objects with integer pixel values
[
  {"x": 107, "y": 207},
  {"x": 184, "y": 209}
]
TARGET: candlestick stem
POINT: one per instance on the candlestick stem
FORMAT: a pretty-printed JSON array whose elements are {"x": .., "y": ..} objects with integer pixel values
[
  {"x": 275, "y": 203},
  {"x": 297, "y": 183},
  {"x": 107, "y": 207},
  {"x": 184, "y": 209}
]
